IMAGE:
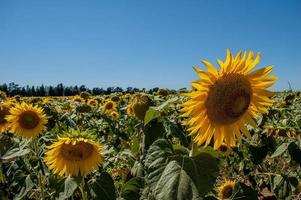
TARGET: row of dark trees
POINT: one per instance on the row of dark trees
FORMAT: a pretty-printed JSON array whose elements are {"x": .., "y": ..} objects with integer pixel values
[{"x": 13, "y": 89}]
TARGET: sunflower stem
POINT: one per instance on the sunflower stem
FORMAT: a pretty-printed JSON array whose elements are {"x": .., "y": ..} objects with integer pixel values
[
  {"x": 82, "y": 189},
  {"x": 39, "y": 175},
  {"x": 194, "y": 150},
  {"x": 41, "y": 186}
]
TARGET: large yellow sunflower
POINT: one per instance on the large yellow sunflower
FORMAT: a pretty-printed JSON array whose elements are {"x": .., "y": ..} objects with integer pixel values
[
  {"x": 27, "y": 120},
  {"x": 226, "y": 190},
  {"x": 4, "y": 112},
  {"x": 223, "y": 102},
  {"x": 109, "y": 106},
  {"x": 74, "y": 156}
]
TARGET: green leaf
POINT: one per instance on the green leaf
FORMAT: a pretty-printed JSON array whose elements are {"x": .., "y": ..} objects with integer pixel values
[
  {"x": 172, "y": 176},
  {"x": 17, "y": 152},
  {"x": 102, "y": 187},
  {"x": 284, "y": 186},
  {"x": 167, "y": 103},
  {"x": 155, "y": 112},
  {"x": 258, "y": 153},
  {"x": 280, "y": 150},
  {"x": 158, "y": 156},
  {"x": 295, "y": 152},
  {"x": 176, "y": 131},
  {"x": 150, "y": 115},
  {"x": 70, "y": 186},
  {"x": 152, "y": 132},
  {"x": 135, "y": 145},
  {"x": 132, "y": 188},
  {"x": 28, "y": 186},
  {"x": 245, "y": 192}
]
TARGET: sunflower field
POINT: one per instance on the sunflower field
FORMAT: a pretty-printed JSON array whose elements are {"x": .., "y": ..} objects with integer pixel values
[{"x": 226, "y": 138}]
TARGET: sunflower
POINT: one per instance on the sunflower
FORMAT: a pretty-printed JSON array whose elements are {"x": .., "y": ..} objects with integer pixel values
[
  {"x": 27, "y": 120},
  {"x": 109, "y": 106},
  {"x": 224, "y": 101},
  {"x": 226, "y": 190},
  {"x": 78, "y": 99},
  {"x": 4, "y": 112},
  {"x": 114, "y": 115},
  {"x": 3, "y": 96},
  {"x": 129, "y": 110},
  {"x": 140, "y": 104},
  {"x": 92, "y": 102},
  {"x": 74, "y": 156}
]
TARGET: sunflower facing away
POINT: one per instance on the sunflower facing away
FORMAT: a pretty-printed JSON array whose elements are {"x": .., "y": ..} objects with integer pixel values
[
  {"x": 223, "y": 102},
  {"x": 4, "y": 112},
  {"x": 226, "y": 190},
  {"x": 27, "y": 120},
  {"x": 74, "y": 156}
]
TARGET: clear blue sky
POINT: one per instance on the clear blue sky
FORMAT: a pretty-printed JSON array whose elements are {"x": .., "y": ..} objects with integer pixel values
[{"x": 143, "y": 43}]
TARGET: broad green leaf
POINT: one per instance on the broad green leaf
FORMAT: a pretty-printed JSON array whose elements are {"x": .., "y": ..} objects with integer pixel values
[
  {"x": 295, "y": 152},
  {"x": 158, "y": 156},
  {"x": 70, "y": 186},
  {"x": 175, "y": 130},
  {"x": 150, "y": 115},
  {"x": 17, "y": 152},
  {"x": 28, "y": 186},
  {"x": 245, "y": 192},
  {"x": 102, "y": 187},
  {"x": 280, "y": 150},
  {"x": 152, "y": 132},
  {"x": 258, "y": 153},
  {"x": 167, "y": 103},
  {"x": 132, "y": 188},
  {"x": 172, "y": 176},
  {"x": 284, "y": 186}
]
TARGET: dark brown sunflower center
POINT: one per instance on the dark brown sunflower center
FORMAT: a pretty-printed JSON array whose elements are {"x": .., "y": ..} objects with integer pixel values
[
  {"x": 227, "y": 191},
  {"x": 3, "y": 113},
  {"x": 223, "y": 148},
  {"x": 79, "y": 151},
  {"x": 109, "y": 106},
  {"x": 228, "y": 99},
  {"x": 29, "y": 120}
]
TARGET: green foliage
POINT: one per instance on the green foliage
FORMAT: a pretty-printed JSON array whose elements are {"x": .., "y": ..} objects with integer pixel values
[
  {"x": 172, "y": 176},
  {"x": 102, "y": 187},
  {"x": 132, "y": 188},
  {"x": 150, "y": 159},
  {"x": 71, "y": 184}
]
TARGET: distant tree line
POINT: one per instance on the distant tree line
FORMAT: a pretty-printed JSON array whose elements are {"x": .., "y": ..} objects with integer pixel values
[{"x": 13, "y": 89}]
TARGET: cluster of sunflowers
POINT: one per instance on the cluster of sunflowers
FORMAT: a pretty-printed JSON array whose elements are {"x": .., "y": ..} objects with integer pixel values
[{"x": 85, "y": 135}]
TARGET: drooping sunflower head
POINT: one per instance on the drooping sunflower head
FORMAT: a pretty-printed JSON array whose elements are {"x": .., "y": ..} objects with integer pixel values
[
  {"x": 4, "y": 112},
  {"x": 163, "y": 92},
  {"x": 83, "y": 108},
  {"x": 26, "y": 120},
  {"x": 74, "y": 155},
  {"x": 226, "y": 190},
  {"x": 115, "y": 99},
  {"x": 85, "y": 95},
  {"x": 109, "y": 106},
  {"x": 224, "y": 101},
  {"x": 140, "y": 104}
]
